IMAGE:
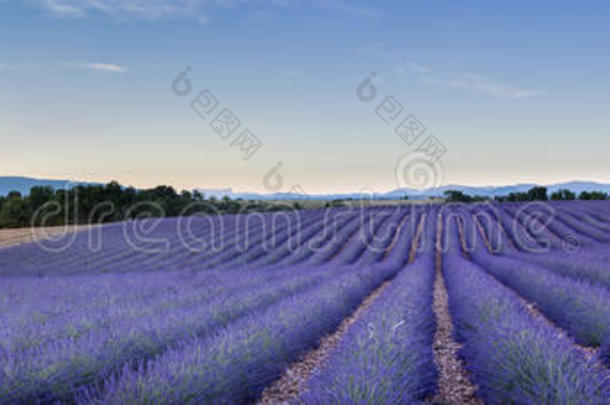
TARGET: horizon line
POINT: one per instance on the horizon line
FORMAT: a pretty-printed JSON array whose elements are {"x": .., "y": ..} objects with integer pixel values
[{"x": 231, "y": 189}]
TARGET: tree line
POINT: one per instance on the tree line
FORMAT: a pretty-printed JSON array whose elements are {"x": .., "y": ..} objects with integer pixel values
[
  {"x": 533, "y": 194},
  {"x": 88, "y": 204},
  {"x": 93, "y": 204}
]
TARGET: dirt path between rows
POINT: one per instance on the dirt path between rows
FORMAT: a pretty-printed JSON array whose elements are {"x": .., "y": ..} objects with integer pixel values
[
  {"x": 294, "y": 380},
  {"x": 454, "y": 384},
  {"x": 396, "y": 235},
  {"x": 587, "y": 351},
  {"x": 415, "y": 245},
  {"x": 14, "y": 237}
]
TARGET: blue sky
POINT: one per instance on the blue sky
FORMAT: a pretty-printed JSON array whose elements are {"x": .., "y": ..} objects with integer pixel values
[{"x": 516, "y": 92}]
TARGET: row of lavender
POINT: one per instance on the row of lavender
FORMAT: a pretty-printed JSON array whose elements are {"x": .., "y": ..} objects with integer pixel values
[
  {"x": 224, "y": 334},
  {"x": 257, "y": 240},
  {"x": 514, "y": 355},
  {"x": 386, "y": 356},
  {"x": 374, "y": 364},
  {"x": 572, "y": 290},
  {"x": 78, "y": 336},
  {"x": 287, "y": 331},
  {"x": 199, "y": 243}
]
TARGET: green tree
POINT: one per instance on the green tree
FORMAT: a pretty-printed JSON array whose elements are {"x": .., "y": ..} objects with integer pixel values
[
  {"x": 14, "y": 212},
  {"x": 594, "y": 195},
  {"x": 113, "y": 202},
  {"x": 113, "y": 192},
  {"x": 537, "y": 194},
  {"x": 563, "y": 194},
  {"x": 456, "y": 196},
  {"x": 197, "y": 196},
  {"x": 39, "y": 196}
]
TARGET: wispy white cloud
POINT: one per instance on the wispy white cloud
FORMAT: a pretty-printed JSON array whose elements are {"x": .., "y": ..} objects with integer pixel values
[
  {"x": 144, "y": 9},
  {"x": 480, "y": 84},
  {"x": 106, "y": 67},
  {"x": 151, "y": 9},
  {"x": 63, "y": 8},
  {"x": 469, "y": 81},
  {"x": 52, "y": 66},
  {"x": 197, "y": 10}
]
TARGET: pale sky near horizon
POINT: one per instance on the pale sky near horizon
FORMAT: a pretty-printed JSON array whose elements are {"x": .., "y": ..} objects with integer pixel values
[{"x": 516, "y": 92}]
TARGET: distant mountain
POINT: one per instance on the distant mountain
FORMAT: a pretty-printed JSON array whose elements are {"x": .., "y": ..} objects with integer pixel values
[
  {"x": 216, "y": 192},
  {"x": 486, "y": 191},
  {"x": 492, "y": 191},
  {"x": 24, "y": 184},
  {"x": 580, "y": 186},
  {"x": 281, "y": 196}
]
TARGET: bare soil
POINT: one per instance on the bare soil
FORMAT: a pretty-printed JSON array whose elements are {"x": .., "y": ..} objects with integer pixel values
[
  {"x": 294, "y": 380},
  {"x": 417, "y": 238},
  {"x": 454, "y": 383},
  {"x": 588, "y": 352},
  {"x": 13, "y": 237}
]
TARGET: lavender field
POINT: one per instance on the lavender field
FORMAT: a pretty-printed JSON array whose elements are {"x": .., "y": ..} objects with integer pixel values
[{"x": 478, "y": 303}]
